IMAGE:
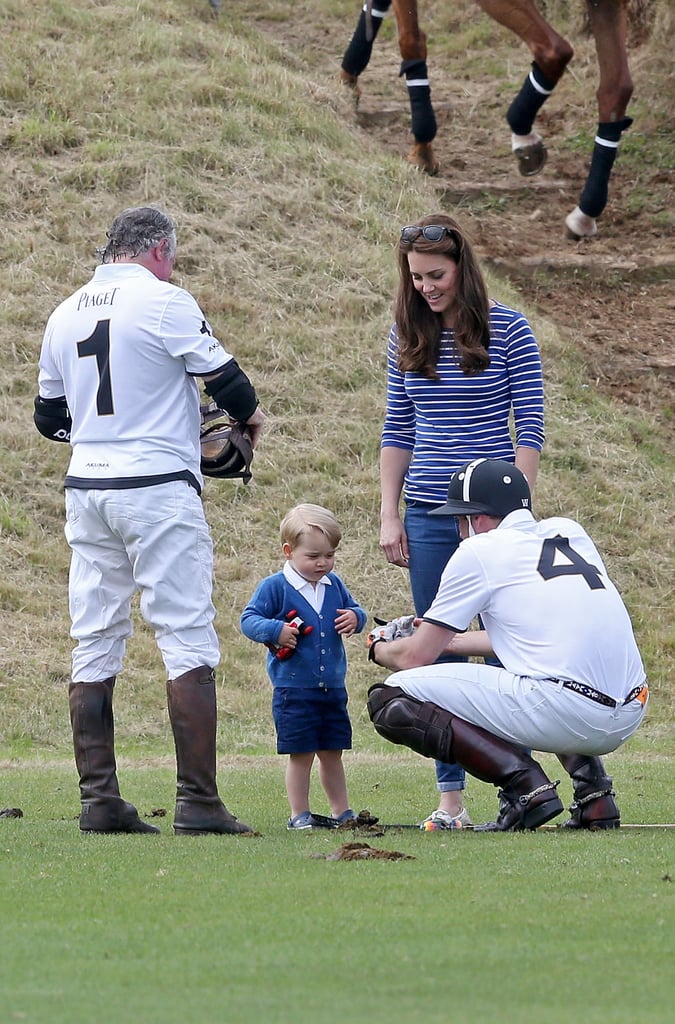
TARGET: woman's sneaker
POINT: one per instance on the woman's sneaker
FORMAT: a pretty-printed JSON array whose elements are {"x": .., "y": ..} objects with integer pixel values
[{"x": 442, "y": 820}]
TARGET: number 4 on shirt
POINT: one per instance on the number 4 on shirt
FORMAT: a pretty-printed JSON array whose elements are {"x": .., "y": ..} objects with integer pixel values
[{"x": 574, "y": 564}]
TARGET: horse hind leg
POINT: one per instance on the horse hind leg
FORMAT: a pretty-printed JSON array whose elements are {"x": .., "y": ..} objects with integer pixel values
[
  {"x": 527, "y": 144},
  {"x": 552, "y": 53},
  {"x": 412, "y": 43},
  {"x": 608, "y": 23},
  {"x": 359, "y": 51},
  {"x": 423, "y": 118},
  {"x": 422, "y": 155}
]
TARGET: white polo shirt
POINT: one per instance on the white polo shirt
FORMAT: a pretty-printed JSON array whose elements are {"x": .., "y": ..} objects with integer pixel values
[
  {"x": 546, "y": 602},
  {"x": 124, "y": 350}
]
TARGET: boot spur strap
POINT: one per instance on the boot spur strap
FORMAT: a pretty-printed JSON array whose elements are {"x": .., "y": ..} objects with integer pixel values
[
  {"x": 518, "y": 807},
  {"x": 523, "y": 800},
  {"x": 526, "y": 797},
  {"x": 583, "y": 800}
]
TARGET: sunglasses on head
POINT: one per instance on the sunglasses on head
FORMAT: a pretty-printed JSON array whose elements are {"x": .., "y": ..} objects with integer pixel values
[{"x": 432, "y": 233}]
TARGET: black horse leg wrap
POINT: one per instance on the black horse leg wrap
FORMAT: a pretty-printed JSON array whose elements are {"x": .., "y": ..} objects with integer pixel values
[
  {"x": 534, "y": 92},
  {"x": 424, "y": 125},
  {"x": 422, "y": 726},
  {"x": 358, "y": 52},
  {"x": 594, "y": 196}
]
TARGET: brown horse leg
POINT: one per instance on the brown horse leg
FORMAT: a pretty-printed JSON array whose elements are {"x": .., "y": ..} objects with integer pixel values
[
  {"x": 412, "y": 45},
  {"x": 360, "y": 48},
  {"x": 550, "y": 50},
  {"x": 422, "y": 155},
  {"x": 352, "y": 83},
  {"x": 608, "y": 23},
  {"x": 551, "y": 55}
]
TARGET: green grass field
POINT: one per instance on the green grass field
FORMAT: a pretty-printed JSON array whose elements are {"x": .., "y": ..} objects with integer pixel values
[
  {"x": 287, "y": 213},
  {"x": 547, "y": 926}
]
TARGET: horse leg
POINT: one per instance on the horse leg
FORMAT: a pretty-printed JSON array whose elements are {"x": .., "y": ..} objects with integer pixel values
[
  {"x": 412, "y": 44},
  {"x": 552, "y": 53},
  {"x": 357, "y": 55},
  {"x": 608, "y": 24}
]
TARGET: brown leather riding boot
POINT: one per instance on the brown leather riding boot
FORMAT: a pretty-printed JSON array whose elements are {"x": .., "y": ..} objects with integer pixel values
[
  {"x": 91, "y": 717},
  {"x": 528, "y": 798},
  {"x": 191, "y": 700},
  {"x": 594, "y": 805}
]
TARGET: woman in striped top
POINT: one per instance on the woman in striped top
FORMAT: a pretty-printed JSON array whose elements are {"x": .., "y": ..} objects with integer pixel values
[{"x": 460, "y": 369}]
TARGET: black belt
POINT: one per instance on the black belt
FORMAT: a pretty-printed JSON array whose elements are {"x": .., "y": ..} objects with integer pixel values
[{"x": 637, "y": 693}]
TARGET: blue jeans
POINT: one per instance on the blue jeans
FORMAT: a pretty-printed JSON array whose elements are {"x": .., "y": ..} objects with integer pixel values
[{"x": 431, "y": 542}]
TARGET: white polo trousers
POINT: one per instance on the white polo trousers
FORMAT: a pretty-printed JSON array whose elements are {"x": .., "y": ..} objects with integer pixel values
[
  {"x": 535, "y": 713},
  {"x": 151, "y": 539}
]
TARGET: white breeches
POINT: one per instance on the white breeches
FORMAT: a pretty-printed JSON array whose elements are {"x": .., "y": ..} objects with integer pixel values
[
  {"x": 151, "y": 539},
  {"x": 534, "y": 713}
]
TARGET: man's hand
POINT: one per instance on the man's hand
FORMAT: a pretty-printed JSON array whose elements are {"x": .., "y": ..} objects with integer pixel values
[
  {"x": 408, "y": 642},
  {"x": 254, "y": 426},
  {"x": 393, "y": 630}
]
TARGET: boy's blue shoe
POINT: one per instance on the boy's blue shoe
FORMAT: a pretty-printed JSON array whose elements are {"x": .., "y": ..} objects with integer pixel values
[
  {"x": 301, "y": 821},
  {"x": 308, "y": 820},
  {"x": 324, "y": 821},
  {"x": 346, "y": 816}
]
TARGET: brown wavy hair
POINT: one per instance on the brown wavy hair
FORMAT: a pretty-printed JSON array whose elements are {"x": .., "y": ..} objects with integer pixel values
[{"x": 419, "y": 328}]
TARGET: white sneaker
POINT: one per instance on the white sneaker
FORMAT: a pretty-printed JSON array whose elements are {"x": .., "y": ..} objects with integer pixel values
[{"x": 440, "y": 820}]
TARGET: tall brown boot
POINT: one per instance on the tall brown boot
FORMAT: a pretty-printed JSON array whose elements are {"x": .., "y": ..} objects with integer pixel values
[
  {"x": 528, "y": 798},
  {"x": 192, "y": 711},
  {"x": 91, "y": 717},
  {"x": 594, "y": 805}
]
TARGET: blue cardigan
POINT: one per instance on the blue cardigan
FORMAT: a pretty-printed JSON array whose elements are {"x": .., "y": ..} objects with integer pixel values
[{"x": 319, "y": 659}]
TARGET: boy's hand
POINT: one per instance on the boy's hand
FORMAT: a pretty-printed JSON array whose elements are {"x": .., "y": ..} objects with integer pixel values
[
  {"x": 288, "y": 636},
  {"x": 346, "y": 621},
  {"x": 291, "y": 631}
]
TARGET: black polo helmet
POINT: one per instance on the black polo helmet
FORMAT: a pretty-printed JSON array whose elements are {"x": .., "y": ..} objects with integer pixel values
[{"x": 490, "y": 487}]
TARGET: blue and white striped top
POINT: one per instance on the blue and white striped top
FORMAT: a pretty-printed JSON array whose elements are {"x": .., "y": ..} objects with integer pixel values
[{"x": 450, "y": 421}]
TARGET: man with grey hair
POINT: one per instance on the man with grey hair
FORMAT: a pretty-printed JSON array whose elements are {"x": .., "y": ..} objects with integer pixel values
[
  {"x": 135, "y": 231},
  {"x": 117, "y": 380}
]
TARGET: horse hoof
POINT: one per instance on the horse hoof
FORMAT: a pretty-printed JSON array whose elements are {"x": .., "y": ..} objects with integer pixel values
[
  {"x": 531, "y": 158},
  {"x": 580, "y": 225},
  {"x": 422, "y": 156},
  {"x": 352, "y": 83}
]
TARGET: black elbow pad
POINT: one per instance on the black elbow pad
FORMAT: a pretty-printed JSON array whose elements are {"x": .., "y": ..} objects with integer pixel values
[
  {"x": 233, "y": 392},
  {"x": 52, "y": 418}
]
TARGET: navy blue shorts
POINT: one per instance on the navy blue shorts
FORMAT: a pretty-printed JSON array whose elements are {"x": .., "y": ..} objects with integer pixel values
[{"x": 311, "y": 719}]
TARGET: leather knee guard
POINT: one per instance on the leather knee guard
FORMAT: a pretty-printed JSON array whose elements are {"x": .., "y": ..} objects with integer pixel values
[
  {"x": 434, "y": 732},
  {"x": 399, "y": 718}
]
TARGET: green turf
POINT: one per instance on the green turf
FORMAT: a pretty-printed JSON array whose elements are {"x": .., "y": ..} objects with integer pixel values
[{"x": 545, "y": 927}]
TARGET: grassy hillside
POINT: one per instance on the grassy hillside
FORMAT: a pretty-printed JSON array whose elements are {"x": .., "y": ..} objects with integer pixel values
[{"x": 287, "y": 214}]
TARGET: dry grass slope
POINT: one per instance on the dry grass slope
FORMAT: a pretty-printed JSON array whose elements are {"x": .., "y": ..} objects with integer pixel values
[{"x": 287, "y": 213}]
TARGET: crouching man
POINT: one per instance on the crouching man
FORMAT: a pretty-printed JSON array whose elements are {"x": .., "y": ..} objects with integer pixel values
[{"x": 572, "y": 681}]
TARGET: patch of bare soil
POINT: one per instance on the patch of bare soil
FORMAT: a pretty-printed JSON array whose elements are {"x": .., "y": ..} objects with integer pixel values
[
  {"x": 619, "y": 286},
  {"x": 362, "y": 851}
]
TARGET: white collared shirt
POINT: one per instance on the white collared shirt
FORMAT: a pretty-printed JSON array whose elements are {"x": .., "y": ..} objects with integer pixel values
[
  {"x": 313, "y": 594},
  {"x": 124, "y": 350}
]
